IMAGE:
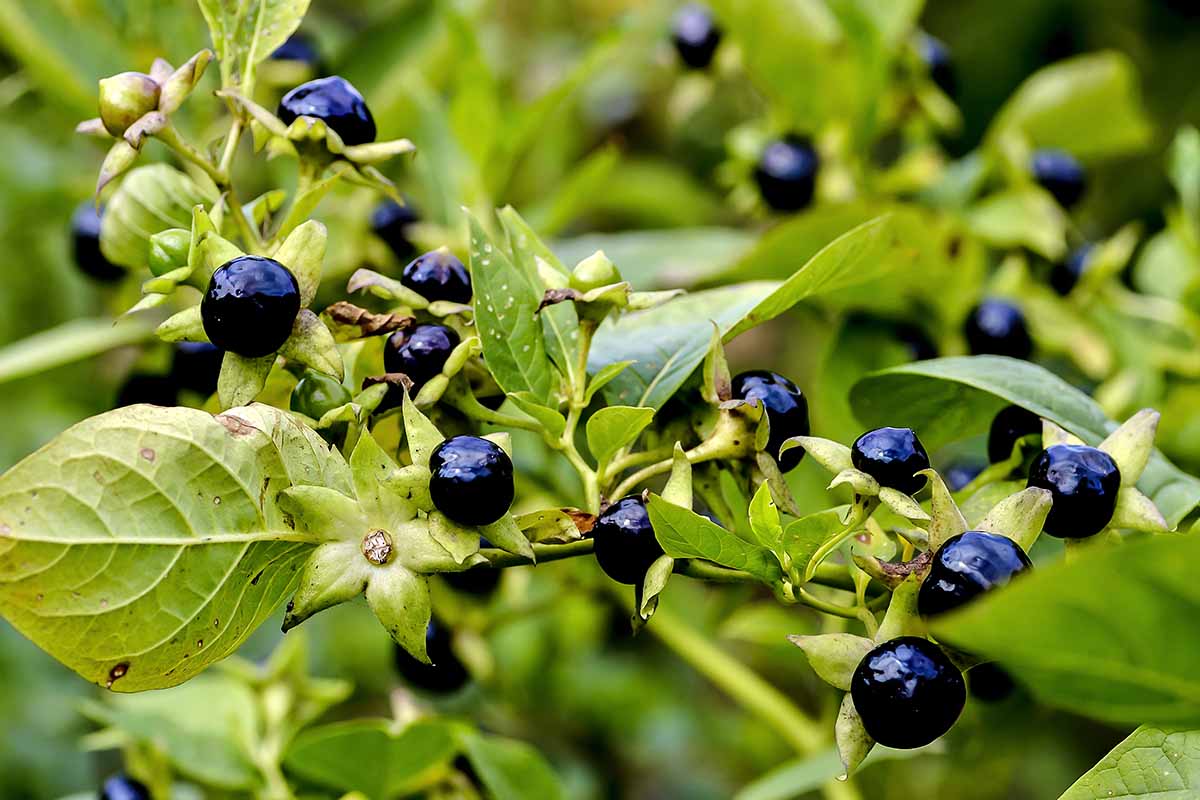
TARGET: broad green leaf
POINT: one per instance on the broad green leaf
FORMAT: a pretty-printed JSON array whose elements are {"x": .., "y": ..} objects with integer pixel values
[
  {"x": 1150, "y": 764},
  {"x": 685, "y": 534},
  {"x": 1089, "y": 105},
  {"x": 857, "y": 257},
  {"x": 1107, "y": 642},
  {"x": 764, "y": 518},
  {"x": 950, "y": 398},
  {"x": 149, "y": 200},
  {"x": 550, "y": 419},
  {"x": 142, "y": 545},
  {"x": 667, "y": 258},
  {"x": 667, "y": 343},
  {"x": 245, "y": 32},
  {"x": 507, "y": 297},
  {"x": 197, "y": 726},
  {"x": 1021, "y": 218},
  {"x": 368, "y": 756},
  {"x": 614, "y": 427},
  {"x": 511, "y": 770},
  {"x": 803, "y": 537}
]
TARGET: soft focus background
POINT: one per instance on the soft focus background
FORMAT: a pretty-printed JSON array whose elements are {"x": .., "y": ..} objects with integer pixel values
[{"x": 627, "y": 141}]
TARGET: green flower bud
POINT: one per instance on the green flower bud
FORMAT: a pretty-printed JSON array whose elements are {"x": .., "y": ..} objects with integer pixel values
[
  {"x": 126, "y": 98},
  {"x": 169, "y": 250},
  {"x": 593, "y": 272}
]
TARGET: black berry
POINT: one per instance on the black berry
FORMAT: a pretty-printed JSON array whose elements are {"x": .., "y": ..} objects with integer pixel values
[
  {"x": 916, "y": 340},
  {"x": 960, "y": 473},
  {"x": 143, "y": 387},
  {"x": 196, "y": 366},
  {"x": 787, "y": 173},
  {"x": 334, "y": 101},
  {"x": 1008, "y": 426},
  {"x": 989, "y": 682},
  {"x": 997, "y": 327},
  {"x": 936, "y": 56},
  {"x": 315, "y": 395},
  {"x": 298, "y": 47},
  {"x": 123, "y": 787},
  {"x": 438, "y": 275},
  {"x": 472, "y": 481},
  {"x": 446, "y": 674},
  {"x": 695, "y": 35},
  {"x": 1060, "y": 174},
  {"x": 907, "y": 693},
  {"x": 1065, "y": 274},
  {"x": 1084, "y": 482},
  {"x": 250, "y": 306},
  {"x": 625, "y": 543},
  {"x": 420, "y": 353},
  {"x": 891, "y": 456},
  {"x": 85, "y": 243},
  {"x": 479, "y": 581},
  {"x": 392, "y": 223},
  {"x": 965, "y": 567},
  {"x": 786, "y": 407}
]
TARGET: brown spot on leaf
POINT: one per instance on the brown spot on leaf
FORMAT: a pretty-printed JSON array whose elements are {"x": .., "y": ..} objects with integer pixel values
[
  {"x": 235, "y": 425},
  {"x": 147, "y": 454},
  {"x": 583, "y": 520},
  {"x": 116, "y": 673},
  {"x": 255, "y": 579},
  {"x": 954, "y": 246}
]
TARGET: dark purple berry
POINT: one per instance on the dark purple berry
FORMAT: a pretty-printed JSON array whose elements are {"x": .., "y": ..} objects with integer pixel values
[
  {"x": 85, "y": 243},
  {"x": 892, "y": 456},
  {"x": 787, "y": 173},
  {"x": 624, "y": 541},
  {"x": 1010, "y": 425},
  {"x": 472, "y": 480},
  {"x": 447, "y": 673},
  {"x": 997, "y": 327},
  {"x": 966, "y": 566},
  {"x": 786, "y": 407},
  {"x": 334, "y": 101},
  {"x": 250, "y": 306},
  {"x": 438, "y": 275},
  {"x": 1060, "y": 174},
  {"x": 907, "y": 693},
  {"x": 695, "y": 35},
  {"x": 1084, "y": 483}
]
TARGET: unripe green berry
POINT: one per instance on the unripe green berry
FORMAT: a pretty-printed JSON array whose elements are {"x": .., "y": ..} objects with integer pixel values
[
  {"x": 125, "y": 98},
  {"x": 169, "y": 250}
]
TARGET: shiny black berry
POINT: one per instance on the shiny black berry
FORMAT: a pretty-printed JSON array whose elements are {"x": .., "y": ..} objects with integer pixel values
[
  {"x": 446, "y": 674},
  {"x": 336, "y": 102},
  {"x": 392, "y": 223},
  {"x": 316, "y": 394},
  {"x": 786, "y": 406},
  {"x": 891, "y": 456},
  {"x": 196, "y": 366},
  {"x": 85, "y": 244},
  {"x": 1060, "y": 174},
  {"x": 479, "y": 581},
  {"x": 960, "y": 473},
  {"x": 298, "y": 47},
  {"x": 989, "y": 682},
  {"x": 123, "y": 787},
  {"x": 1084, "y": 482},
  {"x": 907, "y": 692},
  {"x": 420, "y": 353},
  {"x": 695, "y": 35},
  {"x": 936, "y": 56},
  {"x": 965, "y": 567},
  {"x": 625, "y": 543},
  {"x": 472, "y": 481},
  {"x": 143, "y": 387},
  {"x": 1008, "y": 426},
  {"x": 1065, "y": 274},
  {"x": 997, "y": 327},
  {"x": 250, "y": 306},
  {"x": 438, "y": 275},
  {"x": 787, "y": 173}
]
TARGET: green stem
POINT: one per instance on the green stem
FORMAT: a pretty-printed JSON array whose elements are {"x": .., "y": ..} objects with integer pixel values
[
  {"x": 734, "y": 678},
  {"x": 717, "y": 446},
  {"x": 812, "y": 601},
  {"x": 225, "y": 167},
  {"x": 714, "y": 573},
  {"x": 543, "y": 553},
  {"x": 188, "y": 152},
  {"x": 464, "y": 400},
  {"x": 42, "y": 60}
]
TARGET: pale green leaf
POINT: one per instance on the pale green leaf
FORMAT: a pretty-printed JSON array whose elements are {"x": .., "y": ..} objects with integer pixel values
[
  {"x": 764, "y": 518},
  {"x": 1150, "y": 764},
  {"x": 614, "y": 427},
  {"x": 685, "y": 534},
  {"x": 149, "y": 200},
  {"x": 511, "y": 770}
]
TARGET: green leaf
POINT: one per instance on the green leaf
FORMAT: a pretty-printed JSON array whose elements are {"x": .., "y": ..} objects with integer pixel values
[
  {"x": 667, "y": 343},
  {"x": 764, "y": 518},
  {"x": 246, "y": 32},
  {"x": 242, "y": 379},
  {"x": 1184, "y": 168},
  {"x": 550, "y": 419},
  {"x": 1021, "y": 218},
  {"x": 603, "y": 377},
  {"x": 197, "y": 726},
  {"x": 950, "y": 398},
  {"x": 685, "y": 534},
  {"x": 368, "y": 756},
  {"x": 1151, "y": 763},
  {"x": 511, "y": 770},
  {"x": 400, "y": 600},
  {"x": 142, "y": 545},
  {"x": 803, "y": 537},
  {"x": 1089, "y": 105},
  {"x": 507, "y": 297},
  {"x": 667, "y": 258},
  {"x": 1102, "y": 620},
  {"x": 149, "y": 200},
  {"x": 614, "y": 427}
]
